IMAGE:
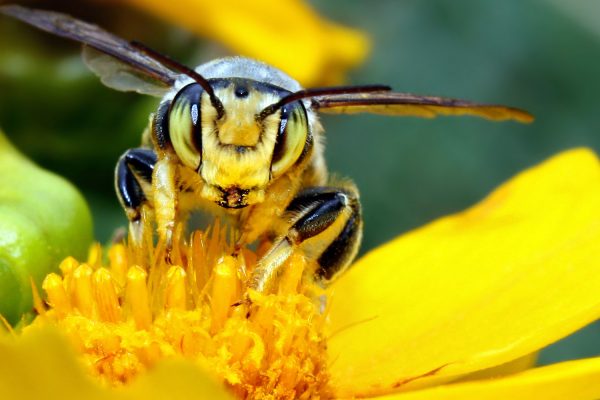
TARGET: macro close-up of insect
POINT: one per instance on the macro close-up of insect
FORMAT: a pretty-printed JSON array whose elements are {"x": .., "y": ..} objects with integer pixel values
[
  {"x": 217, "y": 200},
  {"x": 241, "y": 139}
]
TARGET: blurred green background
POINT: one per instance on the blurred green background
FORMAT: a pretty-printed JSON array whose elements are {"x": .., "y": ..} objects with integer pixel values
[{"x": 541, "y": 55}]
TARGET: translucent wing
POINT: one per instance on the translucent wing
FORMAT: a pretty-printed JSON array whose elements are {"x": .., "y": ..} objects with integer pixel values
[
  {"x": 406, "y": 104},
  {"x": 121, "y": 66},
  {"x": 120, "y": 76}
]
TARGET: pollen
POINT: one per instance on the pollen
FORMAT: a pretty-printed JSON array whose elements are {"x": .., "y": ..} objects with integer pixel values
[{"x": 123, "y": 318}]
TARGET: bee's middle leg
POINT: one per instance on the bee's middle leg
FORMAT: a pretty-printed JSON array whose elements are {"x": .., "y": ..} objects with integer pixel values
[
  {"x": 325, "y": 225},
  {"x": 133, "y": 183},
  {"x": 147, "y": 190}
]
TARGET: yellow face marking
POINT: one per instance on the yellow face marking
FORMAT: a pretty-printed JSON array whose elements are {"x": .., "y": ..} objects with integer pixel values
[
  {"x": 239, "y": 126},
  {"x": 237, "y": 151}
]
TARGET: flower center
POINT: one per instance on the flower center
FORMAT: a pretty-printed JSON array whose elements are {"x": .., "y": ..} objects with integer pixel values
[{"x": 124, "y": 318}]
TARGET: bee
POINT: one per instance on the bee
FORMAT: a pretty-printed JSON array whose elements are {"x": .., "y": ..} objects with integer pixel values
[{"x": 243, "y": 138}]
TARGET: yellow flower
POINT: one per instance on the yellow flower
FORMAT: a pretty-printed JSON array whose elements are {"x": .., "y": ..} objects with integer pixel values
[
  {"x": 453, "y": 310},
  {"x": 287, "y": 34}
]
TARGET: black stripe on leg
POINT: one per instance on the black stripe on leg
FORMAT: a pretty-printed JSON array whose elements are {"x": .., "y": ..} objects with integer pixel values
[
  {"x": 341, "y": 251},
  {"x": 142, "y": 161},
  {"x": 311, "y": 196},
  {"x": 319, "y": 213},
  {"x": 133, "y": 165}
]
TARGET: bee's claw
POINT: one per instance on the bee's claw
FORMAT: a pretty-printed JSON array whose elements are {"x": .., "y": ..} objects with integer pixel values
[
  {"x": 168, "y": 257},
  {"x": 169, "y": 247},
  {"x": 246, "y": 302}
]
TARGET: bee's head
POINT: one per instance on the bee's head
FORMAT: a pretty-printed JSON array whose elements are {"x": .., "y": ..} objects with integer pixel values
[{"x": 239, "y": 150}]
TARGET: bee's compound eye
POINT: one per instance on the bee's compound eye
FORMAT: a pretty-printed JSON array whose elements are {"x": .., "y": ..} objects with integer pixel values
[
  {"x": 185, "y": 128},
  {"x": 291, "y": 138}
]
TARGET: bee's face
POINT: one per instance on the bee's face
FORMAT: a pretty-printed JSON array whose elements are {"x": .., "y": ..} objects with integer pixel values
[{"x": 238, "y": 155}]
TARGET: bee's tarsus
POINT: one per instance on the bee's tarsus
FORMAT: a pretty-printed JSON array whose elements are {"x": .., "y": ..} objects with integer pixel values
[
  {"x": 168, "y": 257},
  {"x": 328, "y": 213}
]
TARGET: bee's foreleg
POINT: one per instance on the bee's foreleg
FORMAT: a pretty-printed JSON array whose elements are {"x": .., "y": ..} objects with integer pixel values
[
  {"x": 165, "y": 198},
  {"x": 133, "y": 182},
  {"x": 325, "y": 225}
]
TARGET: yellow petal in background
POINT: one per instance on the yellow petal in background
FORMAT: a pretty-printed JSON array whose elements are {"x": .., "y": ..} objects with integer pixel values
[
  {"x": 573, "y": 380},
  {"x": 176, "y": 380},
  {"x": 41, "y": 365},
  {"x": 474, "y": 290},
  {"x": 287, "y": 34},
  {"x": 38, "y": 367},
  {"x": 509, "y": 368}
]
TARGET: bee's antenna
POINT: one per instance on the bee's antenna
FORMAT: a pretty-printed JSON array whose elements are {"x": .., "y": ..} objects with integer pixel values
[
  {"x": 315, "y": 92},
  {"x": 169, "y": 62}
]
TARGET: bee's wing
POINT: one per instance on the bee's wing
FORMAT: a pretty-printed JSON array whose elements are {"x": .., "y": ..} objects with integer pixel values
[
  {"x": 120, "y": 76},
  {"x": 118, "y": 64},
  {"x": 406, "y": 104}
]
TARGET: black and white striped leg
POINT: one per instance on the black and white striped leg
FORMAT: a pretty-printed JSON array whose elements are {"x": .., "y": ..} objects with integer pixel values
[
  {"x": 133, "y": 183},
  {"x": 326, "y": 227}
]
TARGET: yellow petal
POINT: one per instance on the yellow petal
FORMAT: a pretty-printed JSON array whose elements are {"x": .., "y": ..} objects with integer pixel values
[
  {"x": 476, "y": 289},
  {"x": 41, "y": 365},
  {"x": 175, "y": 380},
  {"x": 573, "y": 380},
  {"x": 512, "y": 367},
  {"x": 287, "y": 34}
]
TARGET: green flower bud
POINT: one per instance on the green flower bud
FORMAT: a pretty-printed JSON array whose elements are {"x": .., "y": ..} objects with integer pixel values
[{"x": 43, "y": 219}]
